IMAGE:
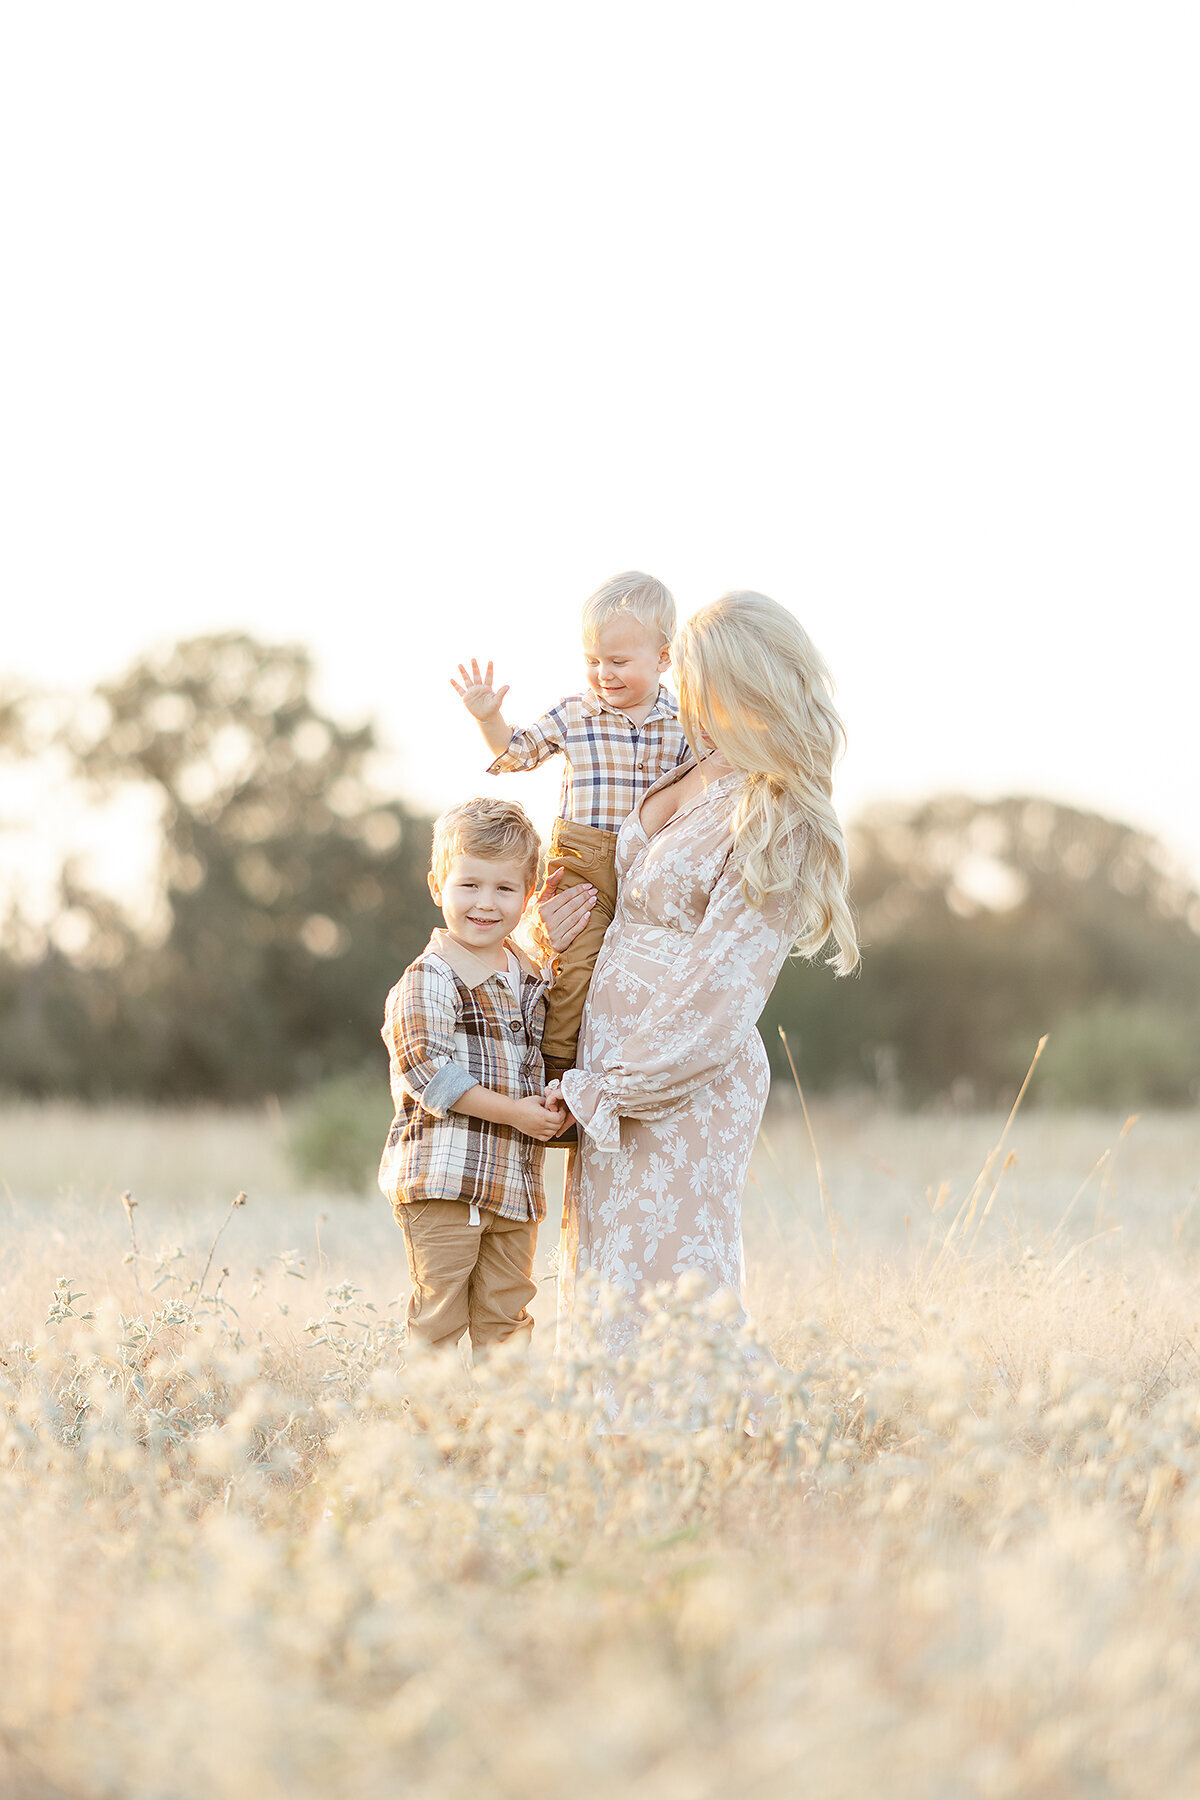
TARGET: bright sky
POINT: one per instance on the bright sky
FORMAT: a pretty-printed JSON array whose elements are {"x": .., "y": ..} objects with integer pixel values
[{"x": 395, "y": 328}]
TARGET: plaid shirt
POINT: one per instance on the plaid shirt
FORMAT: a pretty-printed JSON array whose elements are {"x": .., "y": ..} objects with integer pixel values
[
  {"x": 610, "y": 761},
  {"x": 451, "y": 1023}
]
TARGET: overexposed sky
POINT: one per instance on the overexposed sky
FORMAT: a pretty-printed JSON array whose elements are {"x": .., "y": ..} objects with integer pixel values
[{"x": 394, "y": 329}]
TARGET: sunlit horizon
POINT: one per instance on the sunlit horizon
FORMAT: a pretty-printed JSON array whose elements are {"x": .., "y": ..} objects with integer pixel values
[{"x": 890, "y": 317}]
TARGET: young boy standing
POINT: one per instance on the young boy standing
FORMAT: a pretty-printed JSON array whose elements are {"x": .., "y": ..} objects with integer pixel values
[
  {"x": 463, "y": 1162},
  {"x": 617, "y": 739}
]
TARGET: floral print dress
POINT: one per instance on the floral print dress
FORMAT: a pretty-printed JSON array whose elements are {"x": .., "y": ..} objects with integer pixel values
[{"x": 672, "y": 1076}]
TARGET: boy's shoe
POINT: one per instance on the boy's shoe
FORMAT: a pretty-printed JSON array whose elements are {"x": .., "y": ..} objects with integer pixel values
[{"x": 556, "y": 1068}]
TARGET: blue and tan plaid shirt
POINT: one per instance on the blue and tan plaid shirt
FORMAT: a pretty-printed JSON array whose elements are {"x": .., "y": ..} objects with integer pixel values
[
  {"x": 451, "y": 1024},
  {"x": 609, "y": 761}
]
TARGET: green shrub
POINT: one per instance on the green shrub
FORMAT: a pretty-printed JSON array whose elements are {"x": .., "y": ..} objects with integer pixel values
[
  {"x": 337, "y": 1132},
  {"x": 1124, "y": 1053}
]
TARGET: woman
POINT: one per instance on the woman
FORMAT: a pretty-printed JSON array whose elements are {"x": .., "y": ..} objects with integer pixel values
[{"x": 727, "y": 864}]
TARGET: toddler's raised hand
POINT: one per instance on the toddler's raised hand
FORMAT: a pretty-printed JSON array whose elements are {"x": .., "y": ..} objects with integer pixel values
[{"x": 476, "y": 692}]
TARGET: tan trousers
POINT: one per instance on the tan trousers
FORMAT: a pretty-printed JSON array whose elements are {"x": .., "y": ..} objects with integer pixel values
[
  {"x": 476, "y": 1278},
  {"x": 584, "y": 853}
]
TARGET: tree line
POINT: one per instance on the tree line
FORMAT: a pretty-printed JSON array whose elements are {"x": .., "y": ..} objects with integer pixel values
[{"x": 293, "y": 892}]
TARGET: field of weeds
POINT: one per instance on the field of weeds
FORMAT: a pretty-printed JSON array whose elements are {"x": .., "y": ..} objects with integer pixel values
[{"x": 248, "y": 1551}]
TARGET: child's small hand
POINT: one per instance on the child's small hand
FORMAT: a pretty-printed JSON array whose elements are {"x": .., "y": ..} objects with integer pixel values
[
  {"x": 476, "y": 693},
  {"x": 538, "y": 1118}
]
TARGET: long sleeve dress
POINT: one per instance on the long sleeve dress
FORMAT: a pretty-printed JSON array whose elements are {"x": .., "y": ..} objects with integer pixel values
[{"x": 672, "y": 1076}]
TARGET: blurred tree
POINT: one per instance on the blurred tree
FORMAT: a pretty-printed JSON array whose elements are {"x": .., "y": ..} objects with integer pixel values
[
  {"x": 293, "y": 892},
  {"x": 985, "y": 924},
  {"x": 1115, "y": 1053}
]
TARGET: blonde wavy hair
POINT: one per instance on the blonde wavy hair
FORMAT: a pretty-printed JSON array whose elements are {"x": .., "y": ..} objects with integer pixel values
[{"x": 752, "y": 683}]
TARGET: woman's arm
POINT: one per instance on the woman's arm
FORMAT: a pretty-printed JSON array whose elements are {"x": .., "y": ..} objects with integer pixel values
[{"x": 701, "y": 1015}]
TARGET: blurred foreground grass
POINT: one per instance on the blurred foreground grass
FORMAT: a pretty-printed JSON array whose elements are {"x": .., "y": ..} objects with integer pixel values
[{"x": 246, "y": 1551}]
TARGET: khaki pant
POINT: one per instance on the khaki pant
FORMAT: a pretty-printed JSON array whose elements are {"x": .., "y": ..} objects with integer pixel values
[
  {"x": 466, "y": 1277},
  {"x": 584, "y": 853}
]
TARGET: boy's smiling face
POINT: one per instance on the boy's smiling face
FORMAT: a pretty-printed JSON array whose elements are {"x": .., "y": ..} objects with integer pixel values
[
  {"x": 624, "y": 662},
  {"x": 482, "y": 900}
]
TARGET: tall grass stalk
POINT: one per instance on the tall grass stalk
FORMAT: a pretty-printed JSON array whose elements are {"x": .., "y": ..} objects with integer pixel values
[{"x": 252, "y": 1547}]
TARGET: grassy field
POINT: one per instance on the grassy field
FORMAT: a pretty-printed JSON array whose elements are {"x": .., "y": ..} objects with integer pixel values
[{"x": 246, "y": 1552}]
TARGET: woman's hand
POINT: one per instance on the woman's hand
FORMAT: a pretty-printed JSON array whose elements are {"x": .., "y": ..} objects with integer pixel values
[
  {"x": 554, "y": 1094},
  {"x": 563, "y": 916}
]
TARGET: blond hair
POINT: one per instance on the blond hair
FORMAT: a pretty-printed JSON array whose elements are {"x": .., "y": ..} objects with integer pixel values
[
  {"x": 751, "y": 681},
  {"x": 496, "y": 830},
  {"x": 632, "y": 595}
]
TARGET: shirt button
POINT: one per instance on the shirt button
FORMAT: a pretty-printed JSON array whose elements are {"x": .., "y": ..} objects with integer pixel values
[{"x": 516, "y": 1027}]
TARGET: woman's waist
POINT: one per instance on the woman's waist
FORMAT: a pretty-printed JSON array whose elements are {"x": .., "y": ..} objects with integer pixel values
[{"x": 630, "y": 939}]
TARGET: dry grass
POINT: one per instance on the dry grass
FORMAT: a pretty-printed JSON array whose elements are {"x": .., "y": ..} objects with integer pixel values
[{"x": 239, "y": 1557}]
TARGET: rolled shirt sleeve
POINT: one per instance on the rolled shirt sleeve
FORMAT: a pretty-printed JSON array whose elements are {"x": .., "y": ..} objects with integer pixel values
[
  {"x": 700, "y": 1017},
  {"x": 419, "y": 1032},
  {"x": 532, "y": 746}
]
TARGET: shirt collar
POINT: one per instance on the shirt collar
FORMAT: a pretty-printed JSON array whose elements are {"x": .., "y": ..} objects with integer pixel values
[
  {"x": 472, "y": 969},
  {"x": 665, "y": 706}
]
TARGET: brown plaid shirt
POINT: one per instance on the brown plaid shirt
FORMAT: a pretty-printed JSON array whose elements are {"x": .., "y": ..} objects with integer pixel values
[
  {"x": 610, "y": 761},
  {"x": 452, "y": 1023}
]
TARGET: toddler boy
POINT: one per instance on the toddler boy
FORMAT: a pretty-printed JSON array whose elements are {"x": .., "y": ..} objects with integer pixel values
[
  {"x": 463, "y": 1162},
  {"x": 617, "y": 738}
]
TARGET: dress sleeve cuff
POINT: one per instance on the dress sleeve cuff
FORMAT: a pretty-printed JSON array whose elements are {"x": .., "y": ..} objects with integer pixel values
[
  {"x": 450, "y": 1083},
  {"x": 585, "y": 1096}
]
